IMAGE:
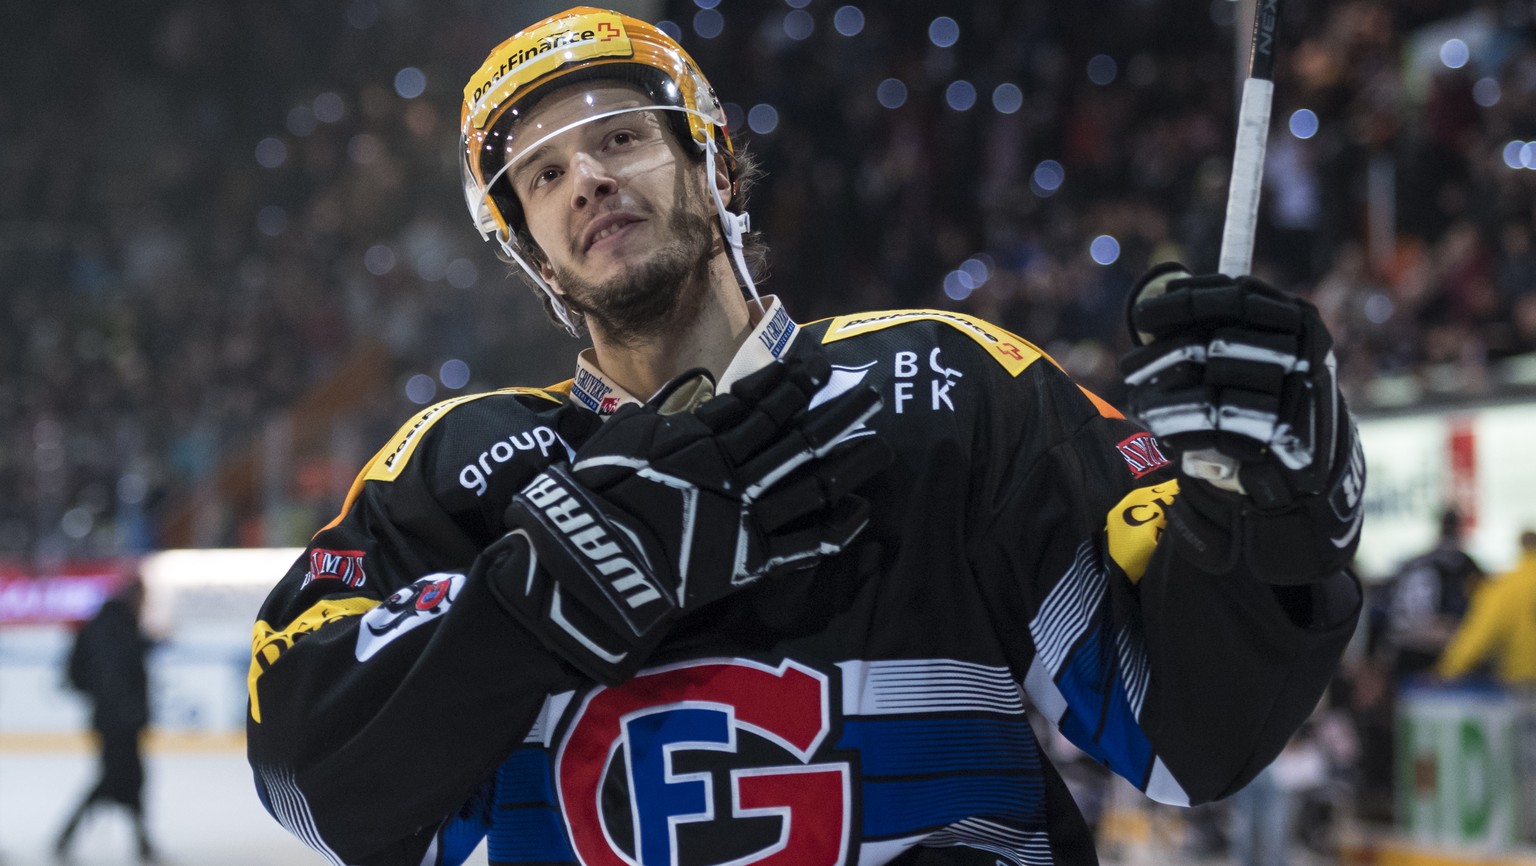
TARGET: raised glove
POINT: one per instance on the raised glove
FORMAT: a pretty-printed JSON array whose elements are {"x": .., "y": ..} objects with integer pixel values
[
  {"x": 1235, "y": 367},
  {"x": 663, "y": 512}
]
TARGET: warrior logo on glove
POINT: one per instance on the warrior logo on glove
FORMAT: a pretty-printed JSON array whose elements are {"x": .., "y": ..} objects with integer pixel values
[{"x": 670, "y": 507}]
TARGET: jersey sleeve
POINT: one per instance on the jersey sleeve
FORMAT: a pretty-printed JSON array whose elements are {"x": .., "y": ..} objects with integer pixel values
[
  {"x": 1183, "y": 680},
  {"x": 386, "y": 682}
]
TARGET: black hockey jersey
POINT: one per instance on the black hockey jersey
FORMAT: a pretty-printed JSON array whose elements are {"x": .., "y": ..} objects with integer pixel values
[{"x": 870, "y": 711}]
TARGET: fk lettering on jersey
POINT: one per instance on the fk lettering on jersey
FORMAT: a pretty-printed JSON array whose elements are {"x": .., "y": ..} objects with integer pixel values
[{"x": 1013, "y": 352}]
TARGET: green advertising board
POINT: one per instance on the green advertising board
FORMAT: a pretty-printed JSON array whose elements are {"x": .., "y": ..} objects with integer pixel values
[{"x": 1455, "y": 768}]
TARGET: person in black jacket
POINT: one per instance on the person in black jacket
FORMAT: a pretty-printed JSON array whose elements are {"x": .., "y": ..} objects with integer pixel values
[
  {"x": 107, "y": 664},
  {"x": 1426, "y": 600},
  {"x": 745, "y": 590}
]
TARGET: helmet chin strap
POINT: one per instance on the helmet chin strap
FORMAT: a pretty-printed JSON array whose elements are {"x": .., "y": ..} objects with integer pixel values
[
  {"x": 734, "y": 225},
  {"x": 562, "y": 312}
]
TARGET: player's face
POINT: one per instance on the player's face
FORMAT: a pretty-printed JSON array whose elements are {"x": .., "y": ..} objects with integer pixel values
[{"x": 615, "y": 204}]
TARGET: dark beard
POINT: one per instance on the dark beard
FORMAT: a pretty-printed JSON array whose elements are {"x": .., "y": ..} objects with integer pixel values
[{"x": 654, "y": 297}]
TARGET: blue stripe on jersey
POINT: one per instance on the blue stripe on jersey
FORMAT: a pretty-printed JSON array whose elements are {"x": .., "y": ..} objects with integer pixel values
[
  {"x": 528, "y": 835},
  {"x": 1100, "y": 721},
  {"x": 898, "y": 747},
  {"x": 903, "y": 808},
  {"x": 461, "y": 834},
  {"x": 525, "y": 777},
  {"x": 525, "y": 825},
  {"x": 922, "y": 774}
]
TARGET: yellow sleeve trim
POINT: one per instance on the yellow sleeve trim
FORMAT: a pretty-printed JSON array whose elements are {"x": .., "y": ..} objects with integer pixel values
[
  {"x": 268, "y": 643},
  {"x": 1136, "y": 523},
  {"x": 1012, "y": 351}
]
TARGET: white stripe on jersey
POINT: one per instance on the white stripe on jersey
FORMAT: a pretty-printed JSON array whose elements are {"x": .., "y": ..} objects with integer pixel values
[
  {"x": 292, "y": 811},
  {"x": 927, "y": 685},
  {"x": 1020, "y": 847},
  {"x": 1064, "y": 615}
]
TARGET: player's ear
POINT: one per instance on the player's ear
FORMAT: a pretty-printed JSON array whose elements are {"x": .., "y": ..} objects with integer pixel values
[
  {"x": 548, "y": 274},
  {"x": 540, "y": 263},
  {"x": 722, "y": 177}
]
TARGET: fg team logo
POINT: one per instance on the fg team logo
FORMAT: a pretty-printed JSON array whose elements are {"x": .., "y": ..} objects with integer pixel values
[
  {"x": 410, "y": 606},
  {"x": 705, "y": 757}
]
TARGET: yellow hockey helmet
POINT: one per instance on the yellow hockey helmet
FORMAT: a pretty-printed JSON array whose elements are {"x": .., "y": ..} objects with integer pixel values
[{"x": 578, "y": 44}]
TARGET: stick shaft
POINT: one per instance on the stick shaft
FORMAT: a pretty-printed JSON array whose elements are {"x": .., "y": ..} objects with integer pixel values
[
  {"x": 1243, "y": 200},
  {"x": 1247, "y": 178},
  {"x": 1261, "y": 55},
  {"x": 1248, "y": 154}
]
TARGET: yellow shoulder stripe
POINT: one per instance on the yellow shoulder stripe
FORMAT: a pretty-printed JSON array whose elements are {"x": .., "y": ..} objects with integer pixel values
[
  {"x": 1136, "y": 523},
  {"x": 1012, "y": 351},
  {"x": 268, "y": 643},
  {"x": 387, "y": 463}
]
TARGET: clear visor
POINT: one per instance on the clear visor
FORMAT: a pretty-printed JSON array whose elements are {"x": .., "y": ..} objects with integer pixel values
[{"x": 564, "y": 116}]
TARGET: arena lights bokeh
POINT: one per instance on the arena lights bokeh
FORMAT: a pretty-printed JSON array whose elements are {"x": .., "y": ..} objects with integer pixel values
[
  {"x": 960, "y": 95},
  {"x": 1104, "y": 250},
  {"x": 944, "y": 31},
  {"x": 1007, "y": 98},
  {"x": 1303, "y": 123},
  {"x": 848, "y": 20},
  {"x": 410, "y": 83}
]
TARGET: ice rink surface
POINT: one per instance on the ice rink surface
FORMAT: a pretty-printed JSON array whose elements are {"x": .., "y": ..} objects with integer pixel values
[{"x": 201, "y": 805}]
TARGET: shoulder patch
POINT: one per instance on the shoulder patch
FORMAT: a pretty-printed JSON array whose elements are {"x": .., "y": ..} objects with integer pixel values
[
  {"x": 268, "y": 643},
  {"x": 1135, "y": 525},
  {"x": 1010, "y": 350},
  {"x": 386, "y": 465}
]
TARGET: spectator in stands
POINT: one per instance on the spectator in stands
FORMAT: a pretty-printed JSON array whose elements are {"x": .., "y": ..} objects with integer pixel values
[
  {"x": 107, "y": 664},
  {"x": 168, "y": 314}
]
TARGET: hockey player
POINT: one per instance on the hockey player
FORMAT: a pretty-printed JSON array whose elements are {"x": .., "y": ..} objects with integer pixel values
[{"x": 750, "y": 591}]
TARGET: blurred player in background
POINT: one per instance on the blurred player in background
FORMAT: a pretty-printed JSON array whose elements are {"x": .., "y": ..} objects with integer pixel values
[
  {"x": 751, "y": 591},
  {"x": 107, "y": 665},
  {"x": 1427, "y": 598}
]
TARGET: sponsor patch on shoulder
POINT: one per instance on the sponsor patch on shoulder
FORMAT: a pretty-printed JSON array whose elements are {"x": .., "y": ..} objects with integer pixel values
[
  {"x": 1135, "y": 525},
  {"x": 343, "y": 565},
  {"x": 1142, "y": 454},
  {"x": 1012, "y": 351}
]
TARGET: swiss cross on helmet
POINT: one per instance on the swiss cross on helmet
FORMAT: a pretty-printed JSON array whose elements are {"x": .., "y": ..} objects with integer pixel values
[{"x": 579, "y": 44}]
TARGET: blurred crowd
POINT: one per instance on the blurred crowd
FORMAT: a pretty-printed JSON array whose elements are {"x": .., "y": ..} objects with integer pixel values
[{"x": 234, "y": 254}]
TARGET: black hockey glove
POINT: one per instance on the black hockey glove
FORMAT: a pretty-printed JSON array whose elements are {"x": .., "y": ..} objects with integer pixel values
[
  {"x": 1239, "y": 379},
  {"x": 665, "y": 511}
]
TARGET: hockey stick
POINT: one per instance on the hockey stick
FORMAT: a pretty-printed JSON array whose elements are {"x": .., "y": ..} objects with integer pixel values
[
  {"x": 1243, "y": 198},
  {"x": 1248, "y": 156}
]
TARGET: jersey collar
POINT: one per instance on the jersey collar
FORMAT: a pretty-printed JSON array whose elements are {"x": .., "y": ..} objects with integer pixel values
[{"x": 769, "y": 339}]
